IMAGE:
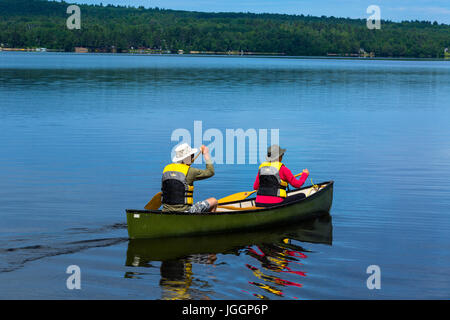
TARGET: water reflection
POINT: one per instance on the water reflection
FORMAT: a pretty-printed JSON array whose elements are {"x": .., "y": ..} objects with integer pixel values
[
  {"x": 267, "y": 252},
  {"x": 282, "y": 257},
  {"x": 176, "y": 279}
]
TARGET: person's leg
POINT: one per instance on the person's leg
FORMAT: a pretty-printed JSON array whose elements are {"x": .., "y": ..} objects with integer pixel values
[
  {"x": 208, "y": 205},
  {"x": 212, "y": 204},
  {"x": 199, "y": 207}
]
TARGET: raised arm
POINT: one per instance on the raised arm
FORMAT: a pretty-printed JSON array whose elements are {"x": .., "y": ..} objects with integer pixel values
[
  {"x": 287, "y": 175},
  {"x": 199, "y": 174}
]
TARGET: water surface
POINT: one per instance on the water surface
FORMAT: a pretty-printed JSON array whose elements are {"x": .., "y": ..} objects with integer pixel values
[{"x": 85, "y": 136}]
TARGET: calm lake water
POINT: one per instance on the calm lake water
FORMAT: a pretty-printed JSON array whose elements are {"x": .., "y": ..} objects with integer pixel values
[{"x": 83, "y": 137}]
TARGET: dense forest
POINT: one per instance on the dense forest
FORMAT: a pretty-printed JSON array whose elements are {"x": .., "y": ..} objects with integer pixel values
[{"x": 38, "y": 23}]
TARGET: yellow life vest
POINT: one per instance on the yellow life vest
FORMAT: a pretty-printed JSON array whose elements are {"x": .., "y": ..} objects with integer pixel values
[
  {"x": 270, "y": 183},
  {"x": 174, "y": 187}
]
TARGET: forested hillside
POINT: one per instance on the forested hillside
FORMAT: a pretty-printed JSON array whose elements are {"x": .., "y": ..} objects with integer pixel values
[{"x": 37, "y": 23}]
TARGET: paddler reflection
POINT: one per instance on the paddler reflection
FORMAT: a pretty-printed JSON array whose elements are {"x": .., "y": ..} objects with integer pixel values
[
  {"x": 285, "y": 260},
  {"x": 276, "y": 258},
  {"x": 177, "y": 277},
  {"x": 176, "y": 273}
]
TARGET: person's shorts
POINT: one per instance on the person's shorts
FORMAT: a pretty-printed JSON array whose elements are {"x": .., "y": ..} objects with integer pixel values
[{"x": 199, "y": 207}]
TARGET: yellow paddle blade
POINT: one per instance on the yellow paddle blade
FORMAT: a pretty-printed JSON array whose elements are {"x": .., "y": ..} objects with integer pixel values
[
  {"x": 237, "y": 196},
  {"x": 155, "y": 203}
]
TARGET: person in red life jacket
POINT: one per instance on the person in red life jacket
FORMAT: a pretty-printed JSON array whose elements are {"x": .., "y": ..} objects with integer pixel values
[{"x": 273, "y": 179}]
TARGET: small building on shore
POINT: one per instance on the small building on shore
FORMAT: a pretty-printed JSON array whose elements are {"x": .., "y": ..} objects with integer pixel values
[{"x": 81, "y": 50}]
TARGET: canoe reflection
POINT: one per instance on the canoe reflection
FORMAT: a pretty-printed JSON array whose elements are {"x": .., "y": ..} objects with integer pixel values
[{"x": 274, "y": 250}]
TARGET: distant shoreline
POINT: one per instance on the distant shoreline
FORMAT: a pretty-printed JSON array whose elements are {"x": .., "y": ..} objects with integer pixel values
[{"x": 187, "y": 55}]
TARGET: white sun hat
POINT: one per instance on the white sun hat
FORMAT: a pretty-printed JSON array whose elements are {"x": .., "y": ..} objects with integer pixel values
[{"x": 183, "y": 151}]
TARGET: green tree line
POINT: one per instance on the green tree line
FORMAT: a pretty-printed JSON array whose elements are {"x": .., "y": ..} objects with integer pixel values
[{"x": 38, "y": 23}]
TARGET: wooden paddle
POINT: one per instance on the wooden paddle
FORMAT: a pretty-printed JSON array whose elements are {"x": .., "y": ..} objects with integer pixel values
[
  {"x": 242, "y": 195},
  {"x": 155, "y": 203}
]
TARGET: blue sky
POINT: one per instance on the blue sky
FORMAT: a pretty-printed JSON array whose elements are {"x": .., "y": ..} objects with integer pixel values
[{"x": 396, "y": 10}]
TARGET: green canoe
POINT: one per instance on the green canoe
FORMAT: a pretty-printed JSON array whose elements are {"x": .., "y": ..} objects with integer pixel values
[{"x": 230, "y": 216}]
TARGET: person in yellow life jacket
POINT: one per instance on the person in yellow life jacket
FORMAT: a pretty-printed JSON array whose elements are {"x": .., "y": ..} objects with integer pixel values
[
  {"x": 178, "y": 178},
  {"x": 273, "y": 179}
]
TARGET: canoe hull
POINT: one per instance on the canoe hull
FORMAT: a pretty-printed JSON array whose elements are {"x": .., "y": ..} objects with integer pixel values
[{"x": 154, "y": 224}]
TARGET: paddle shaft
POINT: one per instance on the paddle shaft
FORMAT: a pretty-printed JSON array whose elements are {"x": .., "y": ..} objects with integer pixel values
[{"x": 193, "y": 160}]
